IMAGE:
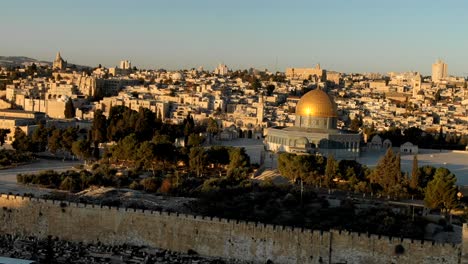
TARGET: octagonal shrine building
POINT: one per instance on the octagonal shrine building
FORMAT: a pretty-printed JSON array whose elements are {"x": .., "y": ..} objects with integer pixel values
[{"x": 314, "y": 130}]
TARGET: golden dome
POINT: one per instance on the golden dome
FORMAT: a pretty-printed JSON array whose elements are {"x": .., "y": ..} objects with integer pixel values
[{"x": 316, "y": 103}]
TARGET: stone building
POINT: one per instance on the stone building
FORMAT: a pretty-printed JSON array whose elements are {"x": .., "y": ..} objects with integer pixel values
[
  {"x": 221, "y": 70},
  {"x": 315, "y": 130},
  {"x": 26, "y": 120},
  {"x": 59, "y": 63},
  {"x": 416, "y": 84},
  {"x": 409, "y": 148},
  {"x": 375, "y": 143},
  {"x": 125, "y": 65},
  {"x": 439, "y": 71},
  {"x": 305, "y": 73}
]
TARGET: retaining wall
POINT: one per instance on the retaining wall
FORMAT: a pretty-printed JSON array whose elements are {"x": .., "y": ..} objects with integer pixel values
[{"x": 210, "y": 236}]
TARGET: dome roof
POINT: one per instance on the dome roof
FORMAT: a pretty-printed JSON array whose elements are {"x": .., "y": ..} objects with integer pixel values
[
  {"x": 316, "y": 103},
  {"x": 177, "y": 76}
]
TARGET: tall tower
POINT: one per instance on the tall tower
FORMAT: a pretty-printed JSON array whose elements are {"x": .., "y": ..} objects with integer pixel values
[
  {"x": 222, "y": 69},
  {"x": 416, "y": 83},
  {"x": 125, "y": 65},
  {"x": 465, "y": 87},
  {"x": 59, "y": 63},
  {"x": 260, "y": 110},
  {"x": 439, "y": 71}
]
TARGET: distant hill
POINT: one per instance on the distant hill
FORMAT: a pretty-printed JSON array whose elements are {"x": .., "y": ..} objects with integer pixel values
[{"x": 13, "y": 61}]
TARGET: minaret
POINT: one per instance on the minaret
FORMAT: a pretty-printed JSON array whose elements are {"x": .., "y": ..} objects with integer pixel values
[
  {"x": 416, "y": 83},
  {"x": 260, "y": 110},
  {"x": 58, "y": 57}
]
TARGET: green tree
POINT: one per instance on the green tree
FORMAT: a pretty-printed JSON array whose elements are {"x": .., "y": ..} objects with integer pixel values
[
  {"x": 189, "y": 126},
  {"x": 219, "y": 157},
  {"x": 441, "y": 192},
  {"x": 39, "y": 138},
  {"x": 426, "y": 174},
  {"x": 81, "y": 149},
  {"x": 69, "y": 111},
  {"x": 255, "y": 84},
  {"x": 441, "y": 137},
  {"x": 309, "y": 168},
  {"x": 99, "y": 127},
  {"x": 121, "y": 122},
  {"x": 22, "y": 142},
  {"x": 164, "y": 153},
  {"x": 351, "y": 168},
  {"x": 197, "y": 160},
  {"x": 239, "y": 163},
  {"x": 150, "y": 184},
  {"x": 414, "y": 135},
  {"x": 356, "y": 123},
  {"x": 387, "y": 175},
  {"x": 70, "y": 183},
  {"x": 145, "y": 123},
  {"x": 212, "y": 127},
  {"x": 437, "y": 96},
  {"x": 195, "y": 140},
  {"x": 146, "y": 155},
  {"x": 270, "y": 88},
  {"x": 330, "y": 171},
  {"x": 126, "y": 148},
  {"x": 69, "y": 136},
  {"x": 3, "y": 135},
  {"x": 159, "y": 139},
  {"x": 415, "y": 174},
  {"x": 55, "y": 140}
]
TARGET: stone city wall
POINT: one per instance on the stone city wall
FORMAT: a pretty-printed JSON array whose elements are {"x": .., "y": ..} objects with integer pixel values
[{"x": 208, "y": 236}]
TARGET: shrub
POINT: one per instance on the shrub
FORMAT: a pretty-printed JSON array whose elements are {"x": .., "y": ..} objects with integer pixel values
[
  {"x": 69, "y": 184},
  {"x": 166, "y": 186},
  {"x": 135, "y": 186},
  {"x": 5, "y": 162},
  {"x": 20, "y": 178},
  {"x": 150, "y": 184}
]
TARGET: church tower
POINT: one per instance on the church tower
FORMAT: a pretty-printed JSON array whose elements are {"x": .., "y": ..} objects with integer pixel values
[
  {"x": 260, "y": 110},
  {"x": 416, "y": 83},
  {"x": 59, "y": 63}
]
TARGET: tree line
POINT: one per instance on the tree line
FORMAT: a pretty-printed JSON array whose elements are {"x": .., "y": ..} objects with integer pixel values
[
  {"x": 435, "y": 185},
  {"x": 140, "y": 143}
]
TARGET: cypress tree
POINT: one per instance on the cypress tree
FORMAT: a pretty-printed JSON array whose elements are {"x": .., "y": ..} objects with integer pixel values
[
  {"x": 388, "y": 175},
  {"x": 414, "y": 184},
  {"x": 69, "y": 109},
  {"x": 441, "y": 192},
  {"x": 330, "y": 171}
]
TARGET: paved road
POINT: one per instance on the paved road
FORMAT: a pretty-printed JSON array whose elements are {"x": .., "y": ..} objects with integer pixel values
[{"x": 8, "y": 176}]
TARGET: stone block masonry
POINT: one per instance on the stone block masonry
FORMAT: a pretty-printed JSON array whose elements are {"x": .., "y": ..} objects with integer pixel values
[
  {"x": 229, "y": 239},
  {"x": 52, "y": 250}
]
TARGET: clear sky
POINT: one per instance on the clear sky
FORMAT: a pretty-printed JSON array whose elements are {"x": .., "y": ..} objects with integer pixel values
[{"x": 343, "y": 35}]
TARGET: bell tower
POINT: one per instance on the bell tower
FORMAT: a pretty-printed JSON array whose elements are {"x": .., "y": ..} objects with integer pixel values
[{"x": 260, "y": 110}]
